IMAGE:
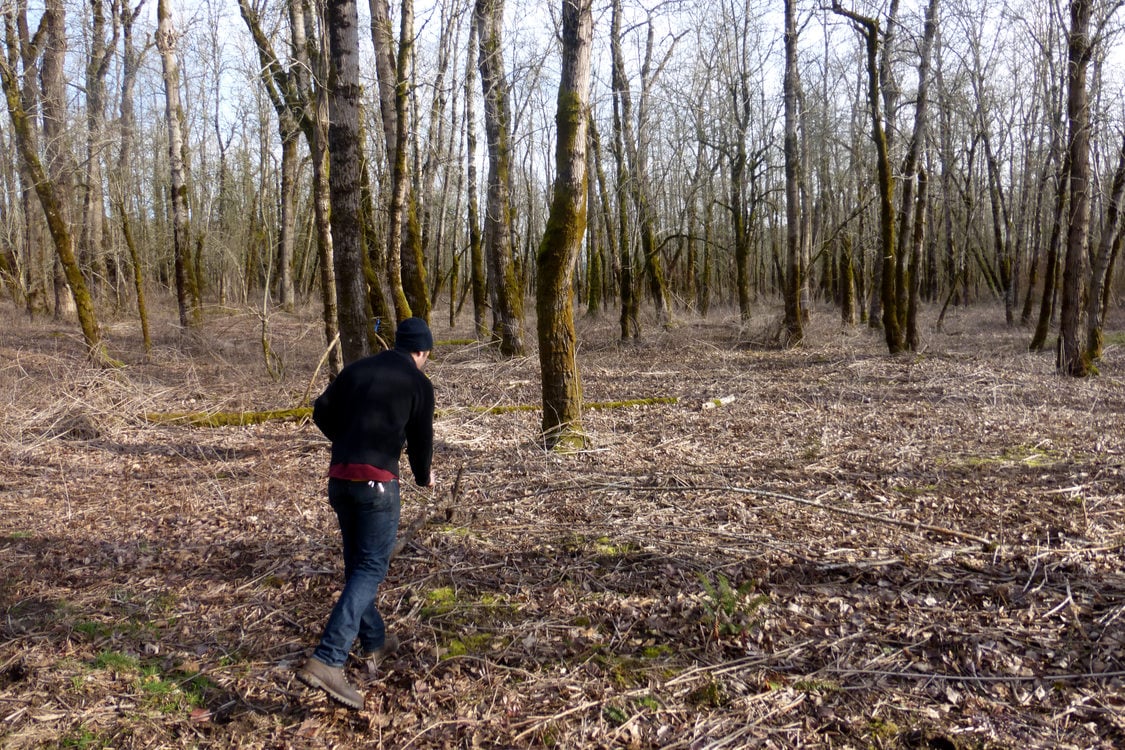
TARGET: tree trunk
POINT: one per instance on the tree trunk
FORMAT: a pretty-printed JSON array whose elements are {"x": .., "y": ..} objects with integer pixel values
[
  {"x": 794, "y": 326},
  {"x": 476, "y": 254},
  {"x": 343, "y": 178},
  {"x": 912, "y": 211},
  {"x": 126, "y": 124},
  {"x": 286, "y": 235},
  {"x": 504, "y": 286},
  {"x": 48, "y": 192},
  {"x": 630, "y": 317},
  {"x": 636, "y": 157},
  {"x": 92, "y": 238},
  {"x": 1071, "y": 356},
  {"x": 186, "y": 296},
  {"x": 1100, "y": 263},
  {"x": 562, "y": 241},
  {"x": 869, "y": 28}
]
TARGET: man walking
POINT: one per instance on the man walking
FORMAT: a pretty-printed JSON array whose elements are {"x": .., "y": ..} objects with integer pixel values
[{"x": 372, "y": 407}]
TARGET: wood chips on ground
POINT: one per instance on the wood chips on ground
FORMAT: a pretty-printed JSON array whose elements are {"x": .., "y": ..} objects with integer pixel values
[{"x": 818, "y": 547}]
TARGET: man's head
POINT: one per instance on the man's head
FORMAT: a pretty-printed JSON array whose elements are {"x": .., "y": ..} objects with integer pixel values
[{"x": 413, "y": 335}]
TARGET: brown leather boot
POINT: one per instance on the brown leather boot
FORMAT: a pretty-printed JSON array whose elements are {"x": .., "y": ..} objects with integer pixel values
[
  {"x": 372, "y": 659},
  {"x": 317, "y": 674}
]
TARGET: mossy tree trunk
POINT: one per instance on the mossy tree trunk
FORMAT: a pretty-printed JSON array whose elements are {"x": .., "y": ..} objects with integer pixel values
[
  {"x": 562, "y": 240},
  {"x": 49, "y": 197},
  {"x": 504, "y": 287}
]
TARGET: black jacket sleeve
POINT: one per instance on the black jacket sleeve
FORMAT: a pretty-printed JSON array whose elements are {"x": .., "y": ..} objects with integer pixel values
[{"x": 420, "y": 433}]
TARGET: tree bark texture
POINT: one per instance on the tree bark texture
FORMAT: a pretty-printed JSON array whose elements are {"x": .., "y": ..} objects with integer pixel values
[
  {"x": 504, "y": 286},
  {"x": 1071, "y": 356},
  {"x": 869, "y": 28},
  {"x": 793, "y": 319},
  {"x": 186, "y": 296},
  {"x": 562, "y": 240},
  {"x": 50, "y": 199},
  {"x": 344, "y": 179},
  {"x": 472, "y": 215}
]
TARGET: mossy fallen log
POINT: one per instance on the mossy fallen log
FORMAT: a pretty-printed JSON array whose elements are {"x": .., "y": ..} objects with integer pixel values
[
  {"x": 229, "y": 418},
  {"x": 592, "y": 406},
  {"x": 244, "y": 418}
]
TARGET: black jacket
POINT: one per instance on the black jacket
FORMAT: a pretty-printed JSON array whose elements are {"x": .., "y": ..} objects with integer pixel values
[{"x": 374, "y": 406}]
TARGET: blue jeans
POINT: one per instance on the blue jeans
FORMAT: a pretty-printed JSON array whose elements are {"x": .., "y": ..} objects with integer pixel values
[{"x": 368, "y": 513}]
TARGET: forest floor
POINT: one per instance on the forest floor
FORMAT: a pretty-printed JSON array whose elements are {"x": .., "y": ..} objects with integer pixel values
[{"x": 818, "y": 547}]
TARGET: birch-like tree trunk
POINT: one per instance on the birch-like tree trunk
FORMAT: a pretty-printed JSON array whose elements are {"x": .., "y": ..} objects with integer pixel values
[
  {"x": 562, "y": 241},
  {"x": 186, "y": 294}
]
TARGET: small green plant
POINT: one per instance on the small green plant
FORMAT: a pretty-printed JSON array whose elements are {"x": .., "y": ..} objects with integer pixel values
[
  {"x": 116, "y": 662},
  {"x": 93, "y": 630},
  {"x": 439, "y": 602},
  {"x": 731, "y": 612},
  {"x": 470, "y": 644},
  {"x": 710, "y": 694},
  {"x": 614, "y": 715},
  {"x": 81, "y": 737}
]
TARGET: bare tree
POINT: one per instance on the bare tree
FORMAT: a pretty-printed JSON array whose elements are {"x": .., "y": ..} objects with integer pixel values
[
  {"x": 299, "y": 95},
  {"x": 793, "y": 179},
  {"x": 558, "y": 252},
  {"x": 869, "y": 29},
  {"x": 1101, "y": 262},
  {"x": 187, "y": 294},
  {"x": 504, "y": 285},
  {"x": 344, "y": 178},
  {"x": 51, "y": 194},
  {"x": 472, "y": 217},
  {"x": 912, "y": 212},
  {"x": 630, "y": 139},
  {"x": 120, "y": 188}
]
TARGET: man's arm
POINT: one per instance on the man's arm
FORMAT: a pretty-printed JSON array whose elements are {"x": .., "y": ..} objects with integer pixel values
[{"x": 420, "y": 435}]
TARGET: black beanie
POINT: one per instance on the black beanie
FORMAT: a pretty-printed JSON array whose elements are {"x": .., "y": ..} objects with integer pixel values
[{"x": 413, "y": 335}]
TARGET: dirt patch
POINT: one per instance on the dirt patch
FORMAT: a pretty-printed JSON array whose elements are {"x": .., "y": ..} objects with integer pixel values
[{"x": 819, "y": 547}]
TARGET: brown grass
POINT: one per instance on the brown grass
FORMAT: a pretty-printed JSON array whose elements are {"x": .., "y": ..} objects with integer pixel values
[{"x": 791, "y": 567}]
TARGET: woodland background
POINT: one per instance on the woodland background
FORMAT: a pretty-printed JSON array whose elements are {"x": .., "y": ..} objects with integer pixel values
[{"x": 830, "y": 488}]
